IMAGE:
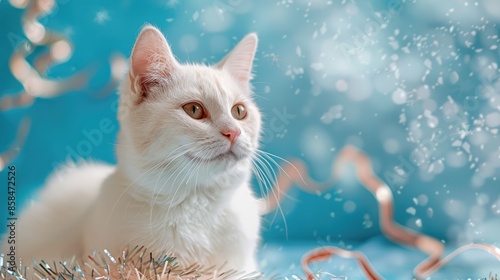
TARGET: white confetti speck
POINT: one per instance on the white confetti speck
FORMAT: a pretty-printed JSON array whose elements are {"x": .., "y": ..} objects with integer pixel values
[
  {"x": 317, "y": 66},
  {"x": 102, "y": 16},
  {"x": 399, "y": 96},
  {"x": 323, "y": 29},
  {"x": 456, "y": 143},
  {"x": 335, "y": 112},
  {"x": 430, "y": 212},
  {"x": 418, "y": 223},
  {"x": 412, "y": 211},
  {"x": 466, "y": 147},
  {"x": 428, "y": 63},
  {"x": 196, "y": 15},
  {"x": 402, "y": 118},
  {"x": 454, "y": 77}
]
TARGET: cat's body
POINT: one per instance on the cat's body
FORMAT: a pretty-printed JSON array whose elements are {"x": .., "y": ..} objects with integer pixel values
[
  {"x": 217, "y": 224},
  {"x": 181, "y": 185}
]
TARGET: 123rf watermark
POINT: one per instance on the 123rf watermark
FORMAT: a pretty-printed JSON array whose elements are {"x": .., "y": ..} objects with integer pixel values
[{"x": 11, "y": 219}]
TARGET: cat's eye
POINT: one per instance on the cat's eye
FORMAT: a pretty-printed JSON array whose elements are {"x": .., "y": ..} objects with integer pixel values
[
  {"x": 195, "y": 110},
  {"x": 239, "y": 111}
]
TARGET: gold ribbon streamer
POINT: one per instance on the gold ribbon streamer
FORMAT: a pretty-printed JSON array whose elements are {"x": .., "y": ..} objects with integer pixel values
[
  {"x": 36, "y": 85},
  {"x": 21, "y": 99},
  {"x": 291, "y": 175},
  {"x": 11, "y": 153},
  {"x": 33, "y": 78},
  {"x": 59, "y": 51}
]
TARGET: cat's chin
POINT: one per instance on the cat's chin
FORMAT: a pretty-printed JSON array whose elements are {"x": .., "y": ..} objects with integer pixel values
[{"x": 228, "y": 156}]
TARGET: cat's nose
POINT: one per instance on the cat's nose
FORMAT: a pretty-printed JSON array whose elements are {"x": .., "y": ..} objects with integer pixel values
[{"x": 231, "y": 134}]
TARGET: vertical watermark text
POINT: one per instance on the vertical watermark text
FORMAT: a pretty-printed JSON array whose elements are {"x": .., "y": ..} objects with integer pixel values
[{"x": 11, "y": 219}]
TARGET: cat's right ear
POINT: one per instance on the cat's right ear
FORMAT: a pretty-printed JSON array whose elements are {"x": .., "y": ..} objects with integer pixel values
[{"x": 151, "y": 61}]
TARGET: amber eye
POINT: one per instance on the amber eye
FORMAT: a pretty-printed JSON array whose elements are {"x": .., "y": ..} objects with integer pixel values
[
  {"x": 194, "y": 110},
  {"x": 239, "y": 111}
]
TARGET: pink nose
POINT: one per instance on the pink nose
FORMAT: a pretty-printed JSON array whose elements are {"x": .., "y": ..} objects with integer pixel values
[{"x": 231, "y": 134}]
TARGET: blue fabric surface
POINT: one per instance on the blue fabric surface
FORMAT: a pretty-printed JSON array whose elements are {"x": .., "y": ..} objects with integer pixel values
[{"x": 389, "y": 260}]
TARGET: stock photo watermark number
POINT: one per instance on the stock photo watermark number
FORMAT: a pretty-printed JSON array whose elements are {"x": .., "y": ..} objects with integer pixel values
[{"x": 11, "y": 218}]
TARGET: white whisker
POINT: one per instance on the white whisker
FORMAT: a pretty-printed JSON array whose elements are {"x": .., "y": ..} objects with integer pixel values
[
  {"x": 268, "y": 171},
  {"x": 154, "y": 194},
  {"x": 280, "y": 158}
]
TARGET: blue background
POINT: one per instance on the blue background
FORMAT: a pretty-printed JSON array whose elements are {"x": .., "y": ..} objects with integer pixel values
[{"x": 350, "y": 72}]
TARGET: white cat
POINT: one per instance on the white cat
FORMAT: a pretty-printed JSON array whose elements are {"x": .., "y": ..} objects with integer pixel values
[{"x": 181, "y": 185}]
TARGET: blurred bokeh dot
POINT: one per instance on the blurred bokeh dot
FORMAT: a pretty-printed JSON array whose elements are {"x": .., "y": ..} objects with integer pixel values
[
  {"x": 391, "y": 146},
  {"x": 213, "y": 20},
  {"x": 349, "y": 206}
]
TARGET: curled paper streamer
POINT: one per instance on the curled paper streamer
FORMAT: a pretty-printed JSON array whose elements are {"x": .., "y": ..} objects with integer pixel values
[
  {"x": 36, "y": 85},
  {"x": 291, "y": 175},
  {"x": 32, "y": 78},
  {"x": 325, "y": 253},
  {"x": 8, "y": 156},
  {"x": 59, "y": 51},
  {"x": 19, "y": 3},
  {"x": 21, "y": 99}
]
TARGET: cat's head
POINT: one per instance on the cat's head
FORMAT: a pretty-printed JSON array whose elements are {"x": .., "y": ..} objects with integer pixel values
[{"x": 187, "y": 123}]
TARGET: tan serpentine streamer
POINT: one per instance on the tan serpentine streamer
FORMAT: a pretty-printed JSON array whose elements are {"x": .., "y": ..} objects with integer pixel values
[
  {"x": 33, "y": 78},
  {"x": 295, "y": 172}
]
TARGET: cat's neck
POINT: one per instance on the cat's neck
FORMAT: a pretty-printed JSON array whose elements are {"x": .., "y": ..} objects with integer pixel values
[{"x": 148, "y": 190}]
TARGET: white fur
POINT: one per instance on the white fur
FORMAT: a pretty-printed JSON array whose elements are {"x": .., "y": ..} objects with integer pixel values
[{"x": 167, "y": 192}]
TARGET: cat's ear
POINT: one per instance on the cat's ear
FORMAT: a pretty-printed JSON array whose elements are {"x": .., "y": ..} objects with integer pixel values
[
  {"x": 151, "y": 60},
  {"x": 239, "y": 61}
]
